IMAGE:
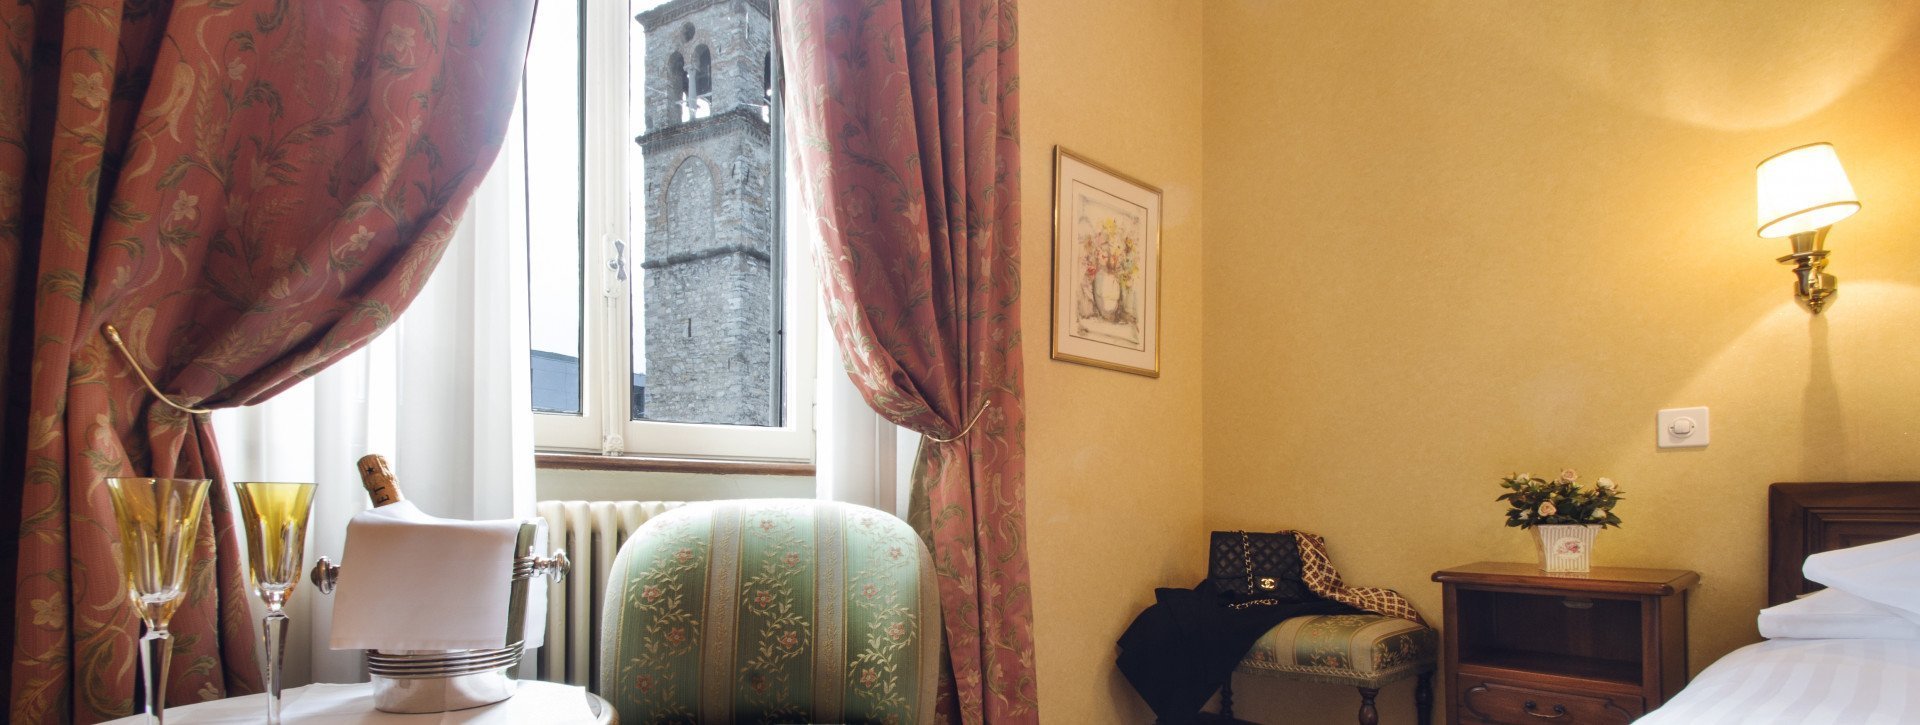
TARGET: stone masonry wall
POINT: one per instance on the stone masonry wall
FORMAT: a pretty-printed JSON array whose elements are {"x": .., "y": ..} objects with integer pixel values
[{"x": 710, "y": 279}]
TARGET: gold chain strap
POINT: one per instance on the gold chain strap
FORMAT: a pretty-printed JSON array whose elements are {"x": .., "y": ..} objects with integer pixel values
[{"x": 1246, "y": 560}]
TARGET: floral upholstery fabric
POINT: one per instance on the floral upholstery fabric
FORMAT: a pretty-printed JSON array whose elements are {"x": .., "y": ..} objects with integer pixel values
[
  {"x": 904, "y": 120},
  {"x": 248, "y": 190},
  {"x": 786, "y": 610},
  {"x": 1363, "y": 650}
]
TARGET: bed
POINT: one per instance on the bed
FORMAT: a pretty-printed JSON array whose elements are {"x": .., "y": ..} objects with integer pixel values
[{"x": 1797, "y": 681}]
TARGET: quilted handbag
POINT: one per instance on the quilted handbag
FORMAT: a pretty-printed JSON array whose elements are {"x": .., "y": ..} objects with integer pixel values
[{"x": 1252, "y": 565}]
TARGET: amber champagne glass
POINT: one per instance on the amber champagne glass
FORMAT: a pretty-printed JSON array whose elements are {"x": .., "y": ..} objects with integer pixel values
[
  {"x": 274, "y": 516},
  {"x": 159, "y": 519}
]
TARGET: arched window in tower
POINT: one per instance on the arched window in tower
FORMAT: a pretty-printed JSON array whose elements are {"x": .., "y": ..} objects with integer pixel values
[
  {"x": 677, "y": 75},
  {"x": 690, "y": 210},
  {"x": 702, "y": 82},
  {"x": 766, "y": 88}
]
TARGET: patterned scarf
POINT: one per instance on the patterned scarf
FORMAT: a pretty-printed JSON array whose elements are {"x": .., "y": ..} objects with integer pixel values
[{"x": 1320, "y": 577}]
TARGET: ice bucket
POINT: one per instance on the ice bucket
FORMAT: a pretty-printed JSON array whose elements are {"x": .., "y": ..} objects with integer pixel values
[{"x": 424, "y": 681}]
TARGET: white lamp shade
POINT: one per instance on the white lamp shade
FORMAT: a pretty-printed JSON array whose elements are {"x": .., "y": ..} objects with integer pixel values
[{"x": 1803, "y": 189}]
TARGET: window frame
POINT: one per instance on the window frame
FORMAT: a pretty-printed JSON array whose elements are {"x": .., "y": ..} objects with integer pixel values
[{"x": 609, "y": 256}]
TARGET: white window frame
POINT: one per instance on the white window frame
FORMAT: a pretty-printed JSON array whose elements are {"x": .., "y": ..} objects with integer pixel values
[{"x": 603, "y": 424}]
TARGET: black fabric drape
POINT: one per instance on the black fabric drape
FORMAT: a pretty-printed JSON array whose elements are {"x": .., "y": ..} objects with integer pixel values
[{"x": 1180, "y": 651}]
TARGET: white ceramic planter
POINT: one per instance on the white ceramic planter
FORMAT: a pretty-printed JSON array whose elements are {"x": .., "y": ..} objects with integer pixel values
[{"x": 1565, "y": 547}]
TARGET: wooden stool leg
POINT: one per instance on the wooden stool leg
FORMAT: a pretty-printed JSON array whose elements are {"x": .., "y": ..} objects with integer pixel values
[
  {"x": 1226, "y": 697},
  {"x": 1368, "y": 715},
  {"x": 1423, "y": 699}
]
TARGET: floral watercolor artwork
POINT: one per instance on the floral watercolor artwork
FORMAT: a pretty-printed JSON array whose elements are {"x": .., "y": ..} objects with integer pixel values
[
  {"x": 1106, "y": 267},
  {"x": 1110, "y": 254}
]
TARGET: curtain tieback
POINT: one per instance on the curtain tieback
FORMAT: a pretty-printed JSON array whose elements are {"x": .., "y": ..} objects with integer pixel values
[
  {"x": 969, "y": 429},
  {"x": 113, "y": 336}
]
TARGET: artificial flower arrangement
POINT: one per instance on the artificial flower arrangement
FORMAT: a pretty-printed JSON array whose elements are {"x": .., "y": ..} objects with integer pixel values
[{"x": 1534, "y": 501}]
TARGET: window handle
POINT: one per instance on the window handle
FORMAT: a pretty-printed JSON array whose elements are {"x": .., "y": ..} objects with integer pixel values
[{"x": 619, "y": 262}]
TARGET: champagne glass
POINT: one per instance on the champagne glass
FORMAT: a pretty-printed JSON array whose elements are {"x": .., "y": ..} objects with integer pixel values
[
  {"x": 159, "y": 519},
  {"x": 275, "y": 518}
]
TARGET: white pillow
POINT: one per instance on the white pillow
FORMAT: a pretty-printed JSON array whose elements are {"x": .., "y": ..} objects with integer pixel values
[
  {"x": 1886, "y": 572},
  {"x": 1834, "y": 614}
]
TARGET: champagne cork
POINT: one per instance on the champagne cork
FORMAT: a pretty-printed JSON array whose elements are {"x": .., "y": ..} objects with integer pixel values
[{"x": 377, "y": 476}]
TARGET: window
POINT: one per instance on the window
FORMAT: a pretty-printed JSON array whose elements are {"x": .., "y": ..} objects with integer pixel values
[{"x": 665, "y": 305}]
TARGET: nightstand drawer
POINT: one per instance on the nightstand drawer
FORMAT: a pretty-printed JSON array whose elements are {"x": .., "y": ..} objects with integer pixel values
[{"x": 1505, "y": 704}]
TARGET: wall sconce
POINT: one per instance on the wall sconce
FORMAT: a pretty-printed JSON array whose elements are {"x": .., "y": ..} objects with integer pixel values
[{"x": 1802, "y": 192}]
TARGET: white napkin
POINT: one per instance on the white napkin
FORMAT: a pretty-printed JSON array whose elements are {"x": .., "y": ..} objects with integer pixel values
[
  {"x": 317, "y": 704},
  {"x": 410, "y": 581}
]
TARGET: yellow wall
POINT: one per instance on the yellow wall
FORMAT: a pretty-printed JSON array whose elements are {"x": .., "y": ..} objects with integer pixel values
[
  {"x": 1113, "y": 466},
  {"x": 1449, "y": 241}
]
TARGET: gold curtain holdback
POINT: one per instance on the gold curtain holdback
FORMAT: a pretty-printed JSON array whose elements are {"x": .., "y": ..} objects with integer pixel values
[
  {"x": 113, "y": 336},
  {"x": 969, "y": 429}
]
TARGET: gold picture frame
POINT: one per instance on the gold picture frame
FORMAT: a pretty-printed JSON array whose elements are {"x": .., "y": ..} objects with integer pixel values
[{"x": 1105, "y": 309}]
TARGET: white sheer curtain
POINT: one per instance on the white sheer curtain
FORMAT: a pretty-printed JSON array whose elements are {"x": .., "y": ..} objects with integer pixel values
[
  {"x": 859, "y": 457},
  {"x": 443, "y": 394}
]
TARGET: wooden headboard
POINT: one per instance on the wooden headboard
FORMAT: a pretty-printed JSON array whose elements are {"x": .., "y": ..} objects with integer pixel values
[{"x": 1808, "y": 518}]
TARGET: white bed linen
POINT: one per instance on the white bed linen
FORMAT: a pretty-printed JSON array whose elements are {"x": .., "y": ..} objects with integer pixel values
[
  {"x": 1834, "y": 614},
  {"x": 1803, "y": 681}
]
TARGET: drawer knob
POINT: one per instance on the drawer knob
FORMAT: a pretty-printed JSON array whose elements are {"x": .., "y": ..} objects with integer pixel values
[{"x": 1559, "y": 711}]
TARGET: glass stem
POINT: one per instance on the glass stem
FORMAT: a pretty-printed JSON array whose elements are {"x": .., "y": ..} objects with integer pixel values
[
  {"x": 274, "y": 629},
  {"x": 156, "y": 652}
]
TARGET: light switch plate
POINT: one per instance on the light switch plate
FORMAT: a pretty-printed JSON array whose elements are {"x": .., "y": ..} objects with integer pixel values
[{"x": 1682, "y": 428}]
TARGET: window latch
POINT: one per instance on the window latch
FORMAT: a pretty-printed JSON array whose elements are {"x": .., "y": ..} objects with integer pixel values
[{"x": 619, "y": 262}]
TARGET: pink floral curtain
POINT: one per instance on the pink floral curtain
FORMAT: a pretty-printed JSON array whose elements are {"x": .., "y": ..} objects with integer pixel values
[
  {"x": 249, "y": 190},
  {"x": 903, "y": 115}
]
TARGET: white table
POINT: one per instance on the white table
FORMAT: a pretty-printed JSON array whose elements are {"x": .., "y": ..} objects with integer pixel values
[{"x": 323, "y": 704}]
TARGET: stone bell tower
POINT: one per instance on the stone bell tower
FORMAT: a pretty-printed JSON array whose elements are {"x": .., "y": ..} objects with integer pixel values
[{"x": 710, "y": 274}]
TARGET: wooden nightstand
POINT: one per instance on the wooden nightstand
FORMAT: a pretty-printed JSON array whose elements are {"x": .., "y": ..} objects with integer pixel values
[{"x": 1524, "y": 647}]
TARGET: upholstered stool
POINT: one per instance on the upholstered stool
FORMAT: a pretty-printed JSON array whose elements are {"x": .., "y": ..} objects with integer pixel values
[{"x": 1364, "y": 651}]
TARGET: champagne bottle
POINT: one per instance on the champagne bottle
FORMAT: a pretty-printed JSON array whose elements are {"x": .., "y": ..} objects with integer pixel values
[{"x": 377, "y": 476}]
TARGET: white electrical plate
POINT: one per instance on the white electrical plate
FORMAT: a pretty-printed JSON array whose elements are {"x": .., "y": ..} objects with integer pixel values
[{"x": 1682, "y": 428}]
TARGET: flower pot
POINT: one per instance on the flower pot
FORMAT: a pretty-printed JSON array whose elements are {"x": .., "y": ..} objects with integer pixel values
[
  {"x": 1106, "y": 294},
  {"x": 1565, "y": 547}
]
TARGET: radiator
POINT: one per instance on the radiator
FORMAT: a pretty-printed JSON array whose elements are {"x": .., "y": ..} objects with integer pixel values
[{"x": 591, "y": 532}]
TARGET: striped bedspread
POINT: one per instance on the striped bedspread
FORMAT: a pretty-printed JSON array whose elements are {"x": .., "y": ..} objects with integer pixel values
[{"x": 1842, "y": 681}]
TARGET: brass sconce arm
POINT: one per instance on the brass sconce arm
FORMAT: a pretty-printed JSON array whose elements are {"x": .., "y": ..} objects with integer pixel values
[{"x": 1809, "y": 259}]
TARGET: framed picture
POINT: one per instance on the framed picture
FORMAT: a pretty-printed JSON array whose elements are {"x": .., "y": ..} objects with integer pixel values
[{"x": 1106, "y": 267}]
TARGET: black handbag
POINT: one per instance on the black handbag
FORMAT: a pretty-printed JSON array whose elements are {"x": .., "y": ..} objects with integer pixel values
[{"x": 1256, "y": 567}]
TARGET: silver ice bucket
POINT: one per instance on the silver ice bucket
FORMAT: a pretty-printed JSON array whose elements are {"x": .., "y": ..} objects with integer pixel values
[{"x": 423, "y": 681}]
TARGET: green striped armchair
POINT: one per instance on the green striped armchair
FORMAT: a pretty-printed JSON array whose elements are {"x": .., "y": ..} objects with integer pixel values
[{"x": 777, "y": 610}]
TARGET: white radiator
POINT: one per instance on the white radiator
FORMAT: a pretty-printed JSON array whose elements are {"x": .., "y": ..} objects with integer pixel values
[{"x": 591, "y": 532}]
